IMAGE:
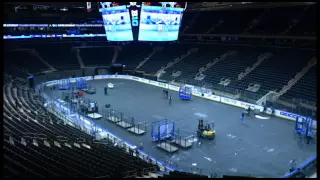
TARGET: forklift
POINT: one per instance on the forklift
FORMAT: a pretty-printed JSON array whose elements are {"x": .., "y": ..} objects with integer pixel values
[{"x": 206, "y": 130}]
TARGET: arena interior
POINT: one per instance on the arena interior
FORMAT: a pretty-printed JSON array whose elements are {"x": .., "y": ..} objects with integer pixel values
[{"x": 87, "y": 106}]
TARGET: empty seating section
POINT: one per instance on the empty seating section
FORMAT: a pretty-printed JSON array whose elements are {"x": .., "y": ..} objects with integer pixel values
[
  {"x": 305, "y": 88},
  {"x": 204, "y": 21},
  {"x": 59, "y": 55},
  {"x": 38, "y": 144},
  {"x": 132, "y": 54},
  {"x": 275, "y": 72},
  {"x": 9, "y": 68},
  {"x": 235, "y": 22},
  {"x": 306, "y": 26},
  {"x": 231, "y": 66},
  {"x": 97, "y": 55},
  {"x": 180, "y": 66},
  {"x": 162, "y": 58},
  {"x": 186, "y": 19},
  {"x": 269, "y": 26},
  {"x": 273, "y": 21},
  {"x": 190, "y": 66},
  {"x": 24, "y": 60}
]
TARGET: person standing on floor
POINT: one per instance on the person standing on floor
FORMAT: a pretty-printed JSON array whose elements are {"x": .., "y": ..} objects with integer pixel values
[
  {"x": 170, "y": 99},
  {"x": 242, "y": 117},
  {"x": 106, "y": 91},
  {"x": 292, "y": 165}
]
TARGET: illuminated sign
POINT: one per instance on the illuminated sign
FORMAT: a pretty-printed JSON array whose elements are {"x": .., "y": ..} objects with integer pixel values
[
  {"x": 134, "y": 13},
  {"x": 135, "y": 18}
]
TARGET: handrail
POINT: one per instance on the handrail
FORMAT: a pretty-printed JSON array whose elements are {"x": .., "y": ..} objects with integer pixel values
[{"x": 304, "y": 165}]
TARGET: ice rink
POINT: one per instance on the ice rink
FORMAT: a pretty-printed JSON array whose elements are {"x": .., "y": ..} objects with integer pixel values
[{"x": 257, "y": 147}]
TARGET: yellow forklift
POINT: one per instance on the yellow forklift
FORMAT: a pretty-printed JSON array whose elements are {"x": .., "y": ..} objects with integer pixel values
[{"x": 206, "y": 130}]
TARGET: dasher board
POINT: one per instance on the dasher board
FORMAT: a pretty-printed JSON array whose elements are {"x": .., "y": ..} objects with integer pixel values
[
  {"x": 124, "y": 124},
  {"x": 94, "y": 115},
  {"x": 167, "y": 147},
  {"x": 183, "y": 143},
  {"x": 114, "y": 119},
  {"x": 136, "y": 130}
]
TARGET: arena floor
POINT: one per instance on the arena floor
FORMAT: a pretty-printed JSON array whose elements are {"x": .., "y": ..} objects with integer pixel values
[{"x": 257, "y": 147}]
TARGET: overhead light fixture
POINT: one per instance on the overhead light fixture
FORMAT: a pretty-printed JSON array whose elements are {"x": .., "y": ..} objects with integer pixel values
[{"x": 64, "y": 9}]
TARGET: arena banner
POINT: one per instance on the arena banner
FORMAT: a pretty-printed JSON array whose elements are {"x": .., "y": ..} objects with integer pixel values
[
  {"x": 192, "y": 88},
  {"x": 163, "y": 85},
  {"x": 212, "y": 97},
  {"x": 136, "y": 78},
  {"x": 286, "y": 115},
  {"x": 252, "y": 106},
  {"x": 50, "y": 83},
  {"x": 98, "y": 77},
  {"x": 230, "y": 101},
  {"x": 173, "y": 87},
  {"x": 108, "y": 76},
  {"x": 240, "y": 104},
  {"x": 88, "y": 78}
]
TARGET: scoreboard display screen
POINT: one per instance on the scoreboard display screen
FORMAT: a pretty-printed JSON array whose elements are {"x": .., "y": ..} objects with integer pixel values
[
  {"x": 124, "y": 21},
  {"x": 117, "y": 23},
  {"x": 159, "y": 23}
]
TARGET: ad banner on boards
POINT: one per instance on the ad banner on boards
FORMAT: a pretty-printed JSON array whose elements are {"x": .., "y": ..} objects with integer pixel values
[
  {"x": 212, "y": 97},
  {"x": 240, "y": 104}
]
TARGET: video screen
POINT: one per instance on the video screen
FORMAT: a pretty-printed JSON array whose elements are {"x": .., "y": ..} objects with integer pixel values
[
  {"x": 117, "y": 23},
  {"x": 159, "y": 24}
]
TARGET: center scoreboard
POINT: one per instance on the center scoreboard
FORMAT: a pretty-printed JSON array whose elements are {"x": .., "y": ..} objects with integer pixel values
[{"x": 142, "y": 21}]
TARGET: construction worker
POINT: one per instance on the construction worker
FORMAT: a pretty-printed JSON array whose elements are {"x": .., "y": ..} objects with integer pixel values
[
  {"x": 242, "y": 117},
  {"x": 292, "y": 165},
  {"x": 106, "y": 91},
  {"x": 249, "y": 109}
]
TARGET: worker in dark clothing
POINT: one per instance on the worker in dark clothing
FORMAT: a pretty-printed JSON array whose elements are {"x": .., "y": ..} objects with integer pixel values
[
  {"x": 308, "y": 139},
  {"x": 170, "y": 99},
  {"x": 242, "y": 117},
  {"x": 309, "y": 136},
  {"x": 292, "y": 165},
  {"x": 272, "y": 110},
  {"x": 106, "y": 91},
  {"x": 249, "y": 109}
]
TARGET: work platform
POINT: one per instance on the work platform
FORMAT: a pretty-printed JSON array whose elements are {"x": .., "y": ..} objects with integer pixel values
[
  {"x": 136, "y": 130},
  {"x": 124, "y": 124},
  {"x": 183, "y": 143},
  {"x": 167, "y": 147},
  {"x": 114, "y": 119},
  {"x": 94, "y": 116}
]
